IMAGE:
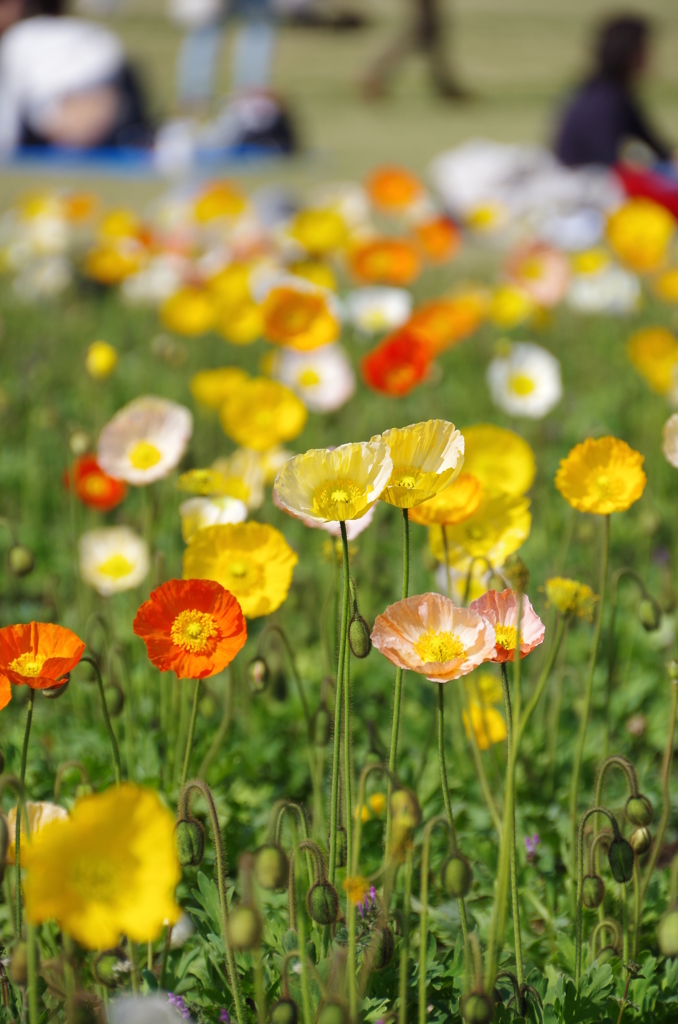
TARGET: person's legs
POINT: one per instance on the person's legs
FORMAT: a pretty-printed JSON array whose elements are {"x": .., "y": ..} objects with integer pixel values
[
  {"x": 431, "y": 37},
  {"x": 377, "y": 80},
  {"x": 196, "y": 65},
  {"x": 253, "y": 46}
]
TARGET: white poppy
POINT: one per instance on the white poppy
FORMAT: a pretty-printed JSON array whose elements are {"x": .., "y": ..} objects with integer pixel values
[
  {"x": 43, "y": 278},
  {"x": 197, "y": 513},
  {"x": 526, "y": 381},
  {"x": 670, "y": 440},
  {"x": 158, "y": 280},
  {"x": 613, "y": 290},
  {"x": 323, "y": 379},
  {"x": 113, "y": 559},
  {"x": 145, "y": 440},
  {"x": 377, "y": 310}
]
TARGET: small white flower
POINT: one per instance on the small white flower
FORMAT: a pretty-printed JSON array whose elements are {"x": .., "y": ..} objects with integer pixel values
[
  {"x": 144, "y": 1010},
  {"x": 377, "y": 310},
  {"x": 158, "y": 280},
  {"x": 197, "y": 513},
  {"x": 526, "y": 381},
  {"x": 323, "y": 379},
  {"x": 113, "y": 559},
  {"x": 43, "y": 278},
  {"x": 613, "y": 290},
  {"x": 670, "y": 440},
  {"x": 181, "y": 932},
  {"x": 145, "y": 440}
]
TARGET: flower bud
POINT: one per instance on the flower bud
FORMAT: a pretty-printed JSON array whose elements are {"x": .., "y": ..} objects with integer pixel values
[
  {"x": 20, "y": 560},
  {"x": 321, "y": 727},
  {"x": 593, "y": 891},
  {"x": 54, "y": 692},
  {"x": 115, "y": 699},
  {"x": 384, "y": 943},
  {"x": 650, "y": 614},
  {"x": 477, "y": 1008},
  {"x": 641, "y": 840},
  {"x": 456, "y": 876},
  {"x": 244, "y": 927},
  {"x": 322, "y": 902},
  {"x": 189, "y": 842},
  {"x": 516, "y": 572},
  {"x": 83, "y": 789},
  {"x": 620, "y": 856},
  {"x": 340, "y": 860},
  {"x": 257, "y": 675},
  {"x": 111, "y": 967},
  {"x": 284, "y": 1012},
  {"x": 18, "y": 965},
  {"x": 405, "y": 809},
  {"x": 672, "y": 669},
  {"x": 667, "y": 933},
  {"x": 271, "y": 867},
  {"x": 359, "y": 637},
  {"x": 332, "y": 1013},
  {"x": 639, "y": 810}
]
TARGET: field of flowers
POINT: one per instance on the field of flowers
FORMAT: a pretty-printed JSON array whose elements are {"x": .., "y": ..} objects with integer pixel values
[{"x": 281, "y": 476}]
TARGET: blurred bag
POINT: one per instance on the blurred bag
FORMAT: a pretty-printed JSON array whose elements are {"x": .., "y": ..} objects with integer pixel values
[{"x": 196, "y": 13}]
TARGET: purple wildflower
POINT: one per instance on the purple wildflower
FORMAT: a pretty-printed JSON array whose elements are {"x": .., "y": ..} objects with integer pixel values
[
  {"x": 373, "y": 895},
  {"x": 178, "y": 1003},
  {"x": 224, "y": 1017},
  {"x": 531, "y": 844}
]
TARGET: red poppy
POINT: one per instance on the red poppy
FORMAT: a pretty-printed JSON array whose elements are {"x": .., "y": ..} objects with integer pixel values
[
  {"x": 397, "y": 364},
  {"x": 193, "y": 628},
  {"x": 94, "y": 487},
  {"x": 37, "y": 654}
]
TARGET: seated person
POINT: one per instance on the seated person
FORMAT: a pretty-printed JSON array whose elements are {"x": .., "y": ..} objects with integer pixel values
[
  {"x": 604, "y": 113},
  {"x": 64, "y": 82}
]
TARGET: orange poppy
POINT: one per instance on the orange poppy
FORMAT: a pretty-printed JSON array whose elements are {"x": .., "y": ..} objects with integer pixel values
[
  {"x": 37, "y": 654},
  {"x": 397, "y": 364},
  {"x": 386, "y": 261},
  {"x": 193, "y": 628},
  {"x": 439, "y": 237},
  {"x": 299, "y": 318},
  {"x": 444, "y": 322},
  {"x": 393, "y": 188},
  {"x": 93, "y": 487}
]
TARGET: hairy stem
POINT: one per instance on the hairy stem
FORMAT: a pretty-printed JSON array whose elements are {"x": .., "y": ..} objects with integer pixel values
[
  {"x": 398, "y": 688},
  {"x": 334, "y": 795}
]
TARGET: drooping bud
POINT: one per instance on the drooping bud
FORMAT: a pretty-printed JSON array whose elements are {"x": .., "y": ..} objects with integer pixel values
[
  {"x": 641, "y": 840},
  {"x": 456, "y": 876},
  {"x": 271, "y": 867},
  {"x": 593, "y": 891},
  {"x": 257, "y": 675},
  {"x": 359, "y": 637},
  {"x": 667, "y": 933},
  {"x": 244, "y": 927},
  {"x": 516, "y": 572},
  {"x": 332, "y": 1013},
  {"x": 20, "y": 560},
  {"x": 322, "y": 901},
  {"x": 384, "y": 948},
  {"x": 189, "y": 842},
  {"x": 639, "y": 810},
  {"x": 321, "y": 727},
  {"x": 54, "y": 692},
  {"x": 111, "y": 967},
  {"x": 650, "y": 614},
  {"x": 18, "y": 965},
  {"x": 477, "y": 1008},
  {"x": 115, "y": 699},
  {"x": 284, "y": 1012},
  {"x": 405, "y": 809},
  {"x": 620, "y": 856}
]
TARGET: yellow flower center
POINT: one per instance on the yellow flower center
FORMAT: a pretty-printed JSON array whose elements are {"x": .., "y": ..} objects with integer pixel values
[
  {"x": 28, "y": 664},
  {"x": 308, "y": 379},
  {"x": 243, "y": 576},
  {"x": 331, "y": 499},
  {"x": 521, "y": 384},
  {"x": 239, "y": 570},
  {"x": 95, "y": 880},
  {"x": 116, "y": 567},
  {"x": 407, "y": 477},
  {"x": 94, "y": 486},
  {"x": 193, "y": 630},
  {"x": 439, "y": 647},
  {"x": 144, "y": 455},
  {"x": 507, "y": 637}
]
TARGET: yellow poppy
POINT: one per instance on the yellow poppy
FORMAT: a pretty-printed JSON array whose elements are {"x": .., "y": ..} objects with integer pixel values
[
  {"x": 510, "y": 306},
  {"x": 571, "y": 597},
  {"x": 119, "y": 223},
  {"x": 100, "y": 360},
  {"x": 666, "y": 285},
  {"x": 251, "y": 560},
  {"x": 485, "y": 688},
  {"x": 653, "y": 352},
  {"x": 203, "y": 481},
  {"x": 217, "y": 200},
  {"x": 426, "y": 459},
  {"x": 263, "y": 413},
  {"x": 319, "y": 231},
  {"x": 487, "y": 723},
  {"x": 244, "y": 476},
  {"x": 317, "y": 272},
  {"x": 241, "y": 324},
  {"x": 110, "y": 263},
  {"x": 36, "y": 815},
  {"x": 454, "y": 504},
  {"x": 213, "y": 387},
  {"x": 501, "y": 459},
  {"x": 332, "y": 486},
  {"x": 190, "y": 311},
  {"x": 601, "y": 476},
  {"x": 298, "y": 317},
  {"x": 640, "y": 232},
  {"x": 231, "y": 285},
  {"x": 499, "y": 527},
  {"x": 109, "y": 870}
]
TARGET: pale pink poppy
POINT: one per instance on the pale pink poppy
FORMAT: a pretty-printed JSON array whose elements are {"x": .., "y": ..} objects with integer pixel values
[
  {"x": 542, "y": 272},
  {"x": 429, "y": 634},
  {"x": 502, "y": 611}
]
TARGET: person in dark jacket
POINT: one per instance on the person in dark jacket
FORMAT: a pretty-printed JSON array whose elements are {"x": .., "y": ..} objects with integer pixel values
[{"x": 604, "y": 113}]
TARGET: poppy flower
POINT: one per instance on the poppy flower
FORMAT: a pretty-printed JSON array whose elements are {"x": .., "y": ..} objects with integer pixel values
[
  {"x": 145, "y": 440},
  {"x": 93, "y": 487},
  {"x": 540, "y": 271},
  {"x": 640, "y": 233},
  {"x": 37, "y": 654},
  {"x": 601, "y": 475},
  {"x": 385, "y": 261},
  {"x": 194, "y": 628},
  {"x": 113, "y": 559},
  {"x": 318, "y": 231},
  {"x": 397, "y": 364},
  {"x": 394, "y": 189},
  {"x": 262, "y": 414},
  {"x": 501, "y": 609},
  {"x": 451, "y": 506},
  {"x": 439, "y": 237},
  {"x": 300, "y": 317},
  {"x": 190, "y": 311},
  {"x": 426, "y": 458},
  {"x": 444, "y": 322}
]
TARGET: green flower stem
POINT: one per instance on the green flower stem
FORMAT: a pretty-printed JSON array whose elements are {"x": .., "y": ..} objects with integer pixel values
[
  {"x": 636, "y": 907},
  {"x": 666, "y": 802},
  {"x": 32, "y": 964},
  {"x": 541, "y": 682},
  {"x": 612, "y": 646},
  {"x": 442, "y": 762},
  {"x": 423, "y": 898},
  {"x": 182, "y": 728},
  {"x": 117, "y": 649},
  {"x": 19, "y": 809},
  {"x": 625, "y": 923},
  {"x": 405, "y": 943},
  {"x": 259, "y": 995},
  {"x": 398, "y": 689},
  {"x": 576, "y": 772},
  {"x": 220, "y": 863},
  {"x": 509, "y": 833},
  {"x": 117, "y": 768},
  {"x": 579, "y": 919},
  {"x": 191, "y": 732},
  {"x": 485, "y": 787},
  {"x": 224, "y": 725},
  {"x": 673, "y": 883},
  {"x": 348, "y": 760},
  {"x": 334, "y": 794}
]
